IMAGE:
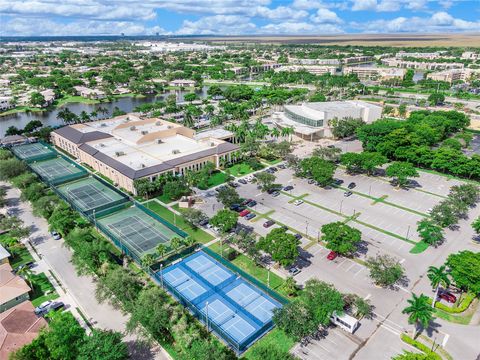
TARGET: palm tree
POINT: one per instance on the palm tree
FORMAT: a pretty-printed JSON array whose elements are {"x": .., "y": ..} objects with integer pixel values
[
  {"x": 175, "y": 243},
  {"x": 188, "y": 119},
  {"x": 275, "y": 133},
  {"x": 148, "y": 260},
  {"x": 26, "y": 273},
  {"x": 93, "y": 114},
  {"x": 419, "y": 312},
  {"x": 287, "y": 131},
  {"x": 188, "y": 241},
  {"x": 84, "y": 117},
  {"x": 438, "y": 277},
  {"x": 161, "y": 250}
]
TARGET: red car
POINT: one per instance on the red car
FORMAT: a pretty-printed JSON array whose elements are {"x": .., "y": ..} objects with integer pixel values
[
  {"x": 332, "y": 255},
  {"x": 444, "y": 295},
  {"x": 244, "y": 212}
]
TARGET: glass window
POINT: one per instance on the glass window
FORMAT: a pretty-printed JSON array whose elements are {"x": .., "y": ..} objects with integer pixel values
[{"x": 302, "y": 119}]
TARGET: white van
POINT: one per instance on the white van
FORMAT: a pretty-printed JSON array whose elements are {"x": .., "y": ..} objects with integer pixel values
[{"x": 345, "y": 322}]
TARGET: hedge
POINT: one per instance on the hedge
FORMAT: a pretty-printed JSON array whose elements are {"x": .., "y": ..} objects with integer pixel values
[
  {"x": 464, "y": 304},
  {"x": 418, "y": 345}
]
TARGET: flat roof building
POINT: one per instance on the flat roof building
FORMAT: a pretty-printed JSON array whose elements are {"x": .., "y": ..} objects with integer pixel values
[
  {"x": 127, "y": 148},
  {"x": 312, "y": 120}
]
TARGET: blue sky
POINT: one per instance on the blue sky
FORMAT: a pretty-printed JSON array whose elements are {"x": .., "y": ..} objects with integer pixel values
[{"x": 236, "y": 17}]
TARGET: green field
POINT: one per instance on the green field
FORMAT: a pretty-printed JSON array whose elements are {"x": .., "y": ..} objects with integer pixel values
[
  {"x": 240, "y": 169},
  {"x": 215, "y": 179},
  {"x": 198, "y": 234},
  {"x": 43, "y": 289}
]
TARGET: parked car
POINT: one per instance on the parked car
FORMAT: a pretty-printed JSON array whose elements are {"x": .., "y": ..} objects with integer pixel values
[
  {"x": 274, "y": 169},
  {"x": 347, "y": 193},
  {"x": 233, "y": 184},
  {"x": 288, "y": 188},
  {"x": 275, "y": 193},
  {"x": 242, "y": 181},
  {"x": 28, "y": 265},
  {"x": 282, "y": 166},
  {"x": 351, "y": 185},
  {"x": 234, "y": 207},
  {"x": 311, "y": 181},
  {"x": 338, "y": 181},
  {"x": 268, "y": 223},
  {"x": 252, "y": 203},
  {"x": 246, "y": 201},
  {"x": 244, "y": 213},
  {"x": 298, "y": 202},
  {"x": 203, "y": 222},
  {"x": 297, "y": 236},
  {"x": 47, "y": 306},
  {"x": 240, "y": 209},
  {"x": 250, "y": 216},
  {"x": 56, "y": 235},
  {"x": 448, "y": 297},
  {"x": 332, "y": 255},
  {"x": 293, "y": 271}
]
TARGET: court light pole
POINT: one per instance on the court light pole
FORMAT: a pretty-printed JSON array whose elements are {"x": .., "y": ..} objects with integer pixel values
[
  {"x": 161, "y": 274},
  {"x": 206, "y": 319},
  {"x": 268, "y": 277},
  {"x": 94, "y": 219}
]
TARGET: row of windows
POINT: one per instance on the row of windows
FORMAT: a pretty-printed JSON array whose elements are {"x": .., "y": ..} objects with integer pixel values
[{"x": 302, "y": 119}]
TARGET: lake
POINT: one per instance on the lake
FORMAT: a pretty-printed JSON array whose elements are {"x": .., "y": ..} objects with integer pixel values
[{"x": 126, "y": 104}]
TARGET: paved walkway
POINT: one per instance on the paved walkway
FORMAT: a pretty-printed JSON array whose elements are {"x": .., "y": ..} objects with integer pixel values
[{"x": 79, "y": 290}]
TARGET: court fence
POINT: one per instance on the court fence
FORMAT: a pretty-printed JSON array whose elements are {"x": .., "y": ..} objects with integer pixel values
[
  {"x": 172, "y": 227},
  {"x": 49, "y": 155},
  {"x": 61, "y": 179}
]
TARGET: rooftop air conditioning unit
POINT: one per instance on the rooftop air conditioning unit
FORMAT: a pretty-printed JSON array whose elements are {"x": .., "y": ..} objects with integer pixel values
[
  {"x": 175, "y": 151},
  {"x": 158, "y": 123},
  {"x": 212, "y": 144},
  {"x": 103, "y": 124},
  {"x": 102, "y": 145},
  {"x": 133, "y": 128},
  {"x": 144, "y": 132},
  {"x": 142, "y": 166},
  {"x": 119, "y": 153},
  {"x": 169, "y": 126},
  {"x": 159, "y": 141}
]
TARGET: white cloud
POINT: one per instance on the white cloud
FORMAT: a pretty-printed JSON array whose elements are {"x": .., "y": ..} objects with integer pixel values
[
  {"x": 388, "y": 5},
  {"x": 279, "y": 13},
  {"x": 438, "y": 22},
  {"x": 218, "y": 24},
  {"x": 325, "y": 16},
  {"x": 293, "y": 28},
  {"x": 36, "y": 26}
]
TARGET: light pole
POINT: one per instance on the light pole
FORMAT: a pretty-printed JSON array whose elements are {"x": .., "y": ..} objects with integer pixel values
[
  {"x": 408, "y": 231},
  {"x": 161, "y": 274},
  {"x": 306, "y": 228},
  {"x": 206, "y": 319},
  {"x": 94, "y": 219},
  {"x": 369, "y": 190}
]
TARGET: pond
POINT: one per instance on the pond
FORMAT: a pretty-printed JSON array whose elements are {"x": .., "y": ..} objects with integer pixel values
[{"x": 126, "y": 104}]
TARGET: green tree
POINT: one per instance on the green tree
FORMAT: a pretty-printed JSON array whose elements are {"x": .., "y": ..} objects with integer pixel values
[
  {"x": 193, "y": 216},
  {"x": 430, "y": 232},
  {"x": 465, "y": 270},
  {"x": 228, "y": 196},
  {"x": 407, "y": 355},
  {"x": 103, "y": 345},
  {"x": 436, "y": 99},
  {"x": 153, "y": 314},
  {"x": 37, "y": 99},
  {"x": 11, "y": 168},
  {"x": 269, "y": 351},
  {"x": 438, "y": 276},
  {"x": 282, "y": 246},
  {"x": 323, "y": 299},
  {"x": 63, "y": 337},
  {"x": 420, "y": 313},
  {"x": 265, "y": 180},
  {"x": 190, "y": 97},
  {"x": 318, "y": 169},
  {"x": 341, "y": 238},
  {"x": 444, "y": 214},
  {"x": 296, "y": 319},
  {"x": 476, "y": 225},
  {"x": 385, "y": 270},
  {"x": 290, "y": 286},
  {"x": 225, "y": 220},
  {"x": 176, "y": 243},
  {"x": 401, "y": 172},
  {"x": 161, "y": 250},
  {"x": 148, "y": 260}
]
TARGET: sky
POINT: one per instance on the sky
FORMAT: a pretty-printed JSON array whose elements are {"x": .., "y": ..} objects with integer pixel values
[{"x": 236, "y": 17}]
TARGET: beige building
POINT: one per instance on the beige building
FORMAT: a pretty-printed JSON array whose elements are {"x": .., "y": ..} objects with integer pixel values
[
  {"x": 374, "y": 73},
  {"x": 312, "y": 69},
  {"x": 13, "y": 289},
  {"x": 127, "y": 148},
  {"x": 392, "y": 62},
  {"x": 452, "y": 75}
]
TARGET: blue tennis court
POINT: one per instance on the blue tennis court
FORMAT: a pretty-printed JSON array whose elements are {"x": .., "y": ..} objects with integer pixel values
[{"x": 237, "y": 310}]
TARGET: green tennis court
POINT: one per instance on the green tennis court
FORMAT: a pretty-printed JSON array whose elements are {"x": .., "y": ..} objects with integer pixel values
[
  {"x": 140, "y": 232},
  {"x": 57, "y": 170},
  {"x": 33, "y": 151},
  {"x": 90, "y": 194}
]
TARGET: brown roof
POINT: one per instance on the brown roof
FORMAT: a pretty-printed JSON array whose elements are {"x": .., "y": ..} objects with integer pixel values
[
  {"x": 18, "y": 326},
  {"x": 11, "y": 285},
  {"x": 78, "y": 137}
]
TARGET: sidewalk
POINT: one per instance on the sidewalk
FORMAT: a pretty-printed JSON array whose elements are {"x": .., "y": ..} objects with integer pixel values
[{"x": 80, "y": 290}]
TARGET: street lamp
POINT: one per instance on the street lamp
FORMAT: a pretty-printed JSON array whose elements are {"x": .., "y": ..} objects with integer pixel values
[
  {"x": 161, "y": 274},
  {"x": 408, "y": 231},
  {"x": 306, "y": 228},
  {"x": 268, "y": 277},
  {"x": 206, "y": 319}
]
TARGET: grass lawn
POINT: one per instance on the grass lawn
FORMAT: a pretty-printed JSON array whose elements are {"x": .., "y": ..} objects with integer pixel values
[
  {"x": 272, "y": 162},
  {"x": 165, "y": 199},
  {"x": 19, "y": 109},
  {"x": 198, "y": 234},
  {"x": 21, "y": 257},
  {"x": 241, "y": 169},
  {"x": 75, "y": 99},
  {"x": 105, "y": 178},
  {"x": 275, "y": 338},
  {"x": 215, "y": 179},
  {"x": 43, "y": 290},
  {"x": 419, "y": 247},
  {"x": 249, "y": 266}
]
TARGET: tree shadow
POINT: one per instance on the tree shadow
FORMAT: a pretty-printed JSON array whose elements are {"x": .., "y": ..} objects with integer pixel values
[
  {"x": 362, "y": 248},
  {"x": 140, "y": 350},
  {"x": 303, "y": 259},
  {"x": 433, "y": 328}
]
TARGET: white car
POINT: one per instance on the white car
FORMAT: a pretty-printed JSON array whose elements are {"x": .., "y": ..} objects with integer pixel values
[
  {"x": 43, "y": 307},
  {"x": 298, "y": 202}
]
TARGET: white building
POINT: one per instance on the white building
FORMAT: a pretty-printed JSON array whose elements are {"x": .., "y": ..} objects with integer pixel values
[
  {"x": 312, "y": 120},
  {"x": 452, "y": 75},
  {"x": 89, "y": 93},
  {"x": 5, "y": 103},
  {"x": 392, "y": 62},
  {"x": 182, "y": 83},
  {"x": 375, "y": 73},
  {"x": 312, "y": 69},
  {"x": 470, "y": 55}
]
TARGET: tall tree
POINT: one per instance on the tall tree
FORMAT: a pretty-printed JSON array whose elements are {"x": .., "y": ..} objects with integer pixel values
[
  {"x": 438, "y": 276},
  {"x": 420, "y": 313}
]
